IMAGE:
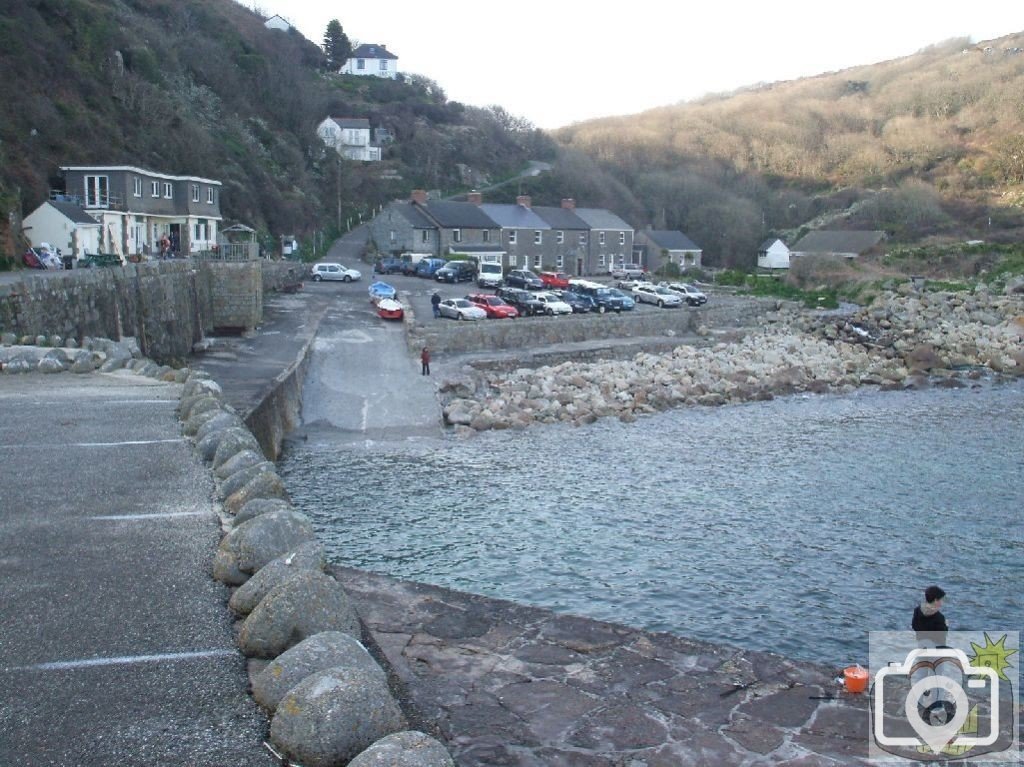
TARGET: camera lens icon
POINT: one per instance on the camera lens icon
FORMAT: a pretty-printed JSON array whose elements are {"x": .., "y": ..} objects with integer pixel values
[{"x": 936, "y": 677}]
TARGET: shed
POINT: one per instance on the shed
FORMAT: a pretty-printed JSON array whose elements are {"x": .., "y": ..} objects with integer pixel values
[
  {"x": 773, "y": 254},
  {"x": 63, "y": 225}
]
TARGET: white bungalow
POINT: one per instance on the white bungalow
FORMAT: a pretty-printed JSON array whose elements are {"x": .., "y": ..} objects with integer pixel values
[
  {"x": 371, "y": 59},
  {"x": 277, "y": 22},
  {"x": 349, "y": 137},
  {"x": 63, "y": 225},
  {"x": 773, "y": 254}
]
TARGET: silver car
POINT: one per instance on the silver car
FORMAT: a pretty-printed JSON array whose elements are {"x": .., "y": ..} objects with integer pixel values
[
  {"x": 461, "y": 309},
  {"x": 328, "y": 271},
  {"x": 656, "y": 294}
]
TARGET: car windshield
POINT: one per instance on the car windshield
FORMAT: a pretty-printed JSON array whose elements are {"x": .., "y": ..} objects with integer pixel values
[
  {"x": 603, "y": 292},
  {"x": 461, "y": 303},
  {"x": 494, "y": 301},
  {"x": 616, "y": 292}
]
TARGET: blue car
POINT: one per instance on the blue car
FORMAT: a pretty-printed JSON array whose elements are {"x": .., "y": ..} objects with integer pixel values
[
  {"x": 580, "y": 303},
  {"x": 627, "y": 301},
  {"x": 428, "y": 267}
]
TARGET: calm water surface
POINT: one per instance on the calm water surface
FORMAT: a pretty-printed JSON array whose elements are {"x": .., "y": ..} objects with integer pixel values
[{"x": 795, "y": 525}]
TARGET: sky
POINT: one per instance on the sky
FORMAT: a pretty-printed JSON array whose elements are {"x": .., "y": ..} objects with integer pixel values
[{"x": 555, "y": 62}]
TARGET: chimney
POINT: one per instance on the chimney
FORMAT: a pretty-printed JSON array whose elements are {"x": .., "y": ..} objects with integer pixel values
[
  {"x": 524, "y": 200},
  {"x": 475, "y": 197},
  {"x": 419, "y": 196},
  {"x": 569, "y": 203}
]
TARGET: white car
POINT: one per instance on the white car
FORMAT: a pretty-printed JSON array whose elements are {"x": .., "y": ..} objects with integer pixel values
[
  {"x": 690, "y": 294},
  {"x": 553, "y": 304},
  {"x": 338, "y": 272},
  {"x": 656, "y": 294},
  {"x": 461, "y": 309}
]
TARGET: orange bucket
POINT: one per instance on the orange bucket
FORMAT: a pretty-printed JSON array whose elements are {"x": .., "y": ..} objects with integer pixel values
[{"x": 856, "y": 678}]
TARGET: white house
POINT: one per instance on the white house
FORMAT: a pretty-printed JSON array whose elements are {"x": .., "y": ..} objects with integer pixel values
[
  {"x": 773, "y": 254},
  {"x": 371, "y": 59},
  {"x": 349, "y": 137},
  {"x": 277, "y": 22},
  {"x": 63, "y": 225}
]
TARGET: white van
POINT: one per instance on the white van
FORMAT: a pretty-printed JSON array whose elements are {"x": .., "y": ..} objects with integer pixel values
[{"x": 489, "y": 275}]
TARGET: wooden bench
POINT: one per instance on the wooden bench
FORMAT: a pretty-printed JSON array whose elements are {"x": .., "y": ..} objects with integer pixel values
[{"x": 100, "y": 259}]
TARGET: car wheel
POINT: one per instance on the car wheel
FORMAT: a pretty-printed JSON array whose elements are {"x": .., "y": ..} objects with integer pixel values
[
  {"x": 551, "y": 312},
  {"x": 346, "y": 278},
  {"x": 600, "y": 310},
  {"x": 317, "y": 278},
  {"x": 459, "y": 316},
  {"x": 661, "y": 304}
]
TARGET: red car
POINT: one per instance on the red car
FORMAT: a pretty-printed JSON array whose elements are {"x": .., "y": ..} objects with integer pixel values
[
  {"x": 558, "y": 280},
  {"x": 496, "y": 308}
]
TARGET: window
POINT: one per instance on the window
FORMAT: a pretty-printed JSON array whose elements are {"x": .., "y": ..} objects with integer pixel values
[
  {"x": 559, "y": 261},
  {"x": 360, "y": 63},
  {"x": 622, "y": 238},
  {"x": 383, "y": 65},
  {"x": 583, "y": 238},
  {"x": 487, "y": 235},
  {"x": 195, "y": 193},
  {"x": 137, "y": 186},
  {"x": 154, "y": 188},
  {"x": 168, "y": 191},
  {"x": 456, "y": 235},
  {"x": 600, "y": 238},
  {"x": 512, "y": 237},
  {"x": 199, "y": 231},
  {"x": 559, "y": 236},
  {"x": 600, "y": 260},
  {"x": 209, "y": 196},
  {"x": 392, "y": 235},
  {"x": 537, "y": 261},
  {"x": 424, "y": 235},
  {"x": 97, "y": 191},
  {"x": 537, "y": 237},
  {"x": 511, "y": 260}
]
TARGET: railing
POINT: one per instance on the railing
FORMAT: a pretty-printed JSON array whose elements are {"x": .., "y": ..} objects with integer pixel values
[
  {"x": 101, "y": 201},
  {"x": 231, "y": 251}
]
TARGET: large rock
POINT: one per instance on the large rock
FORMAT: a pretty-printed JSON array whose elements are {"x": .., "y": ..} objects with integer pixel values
[
  {"x": 233, "y": 443},
  {"x": 253, "y": 544},
  {"x": 217, "y": 418},
  {"x": 404, "y": 749},
  {"x": 307, "y": 557},
  {"x": 207, "y": 446},
  {"x": 320, "y": 652},
  {"x": 332, "y": 716},
  {"x": 237, "y": 462},
  {"x": 298, "y": 608},
  {"x": 258, "y": 506},
  {"x": 263, "y": 485},
  {"x": 241, "y": 478}
]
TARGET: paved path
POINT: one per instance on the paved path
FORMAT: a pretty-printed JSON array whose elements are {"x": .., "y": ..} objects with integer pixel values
[{"x": 116, "y": 646}]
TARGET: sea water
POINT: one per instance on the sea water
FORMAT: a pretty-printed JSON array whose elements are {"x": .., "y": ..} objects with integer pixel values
[{"x": 795, "y": 525}]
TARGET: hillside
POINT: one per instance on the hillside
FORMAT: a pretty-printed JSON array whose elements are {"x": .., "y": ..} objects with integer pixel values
[
  {"x": 929, "y": 146},
  {"x": 201, "y": 87}
]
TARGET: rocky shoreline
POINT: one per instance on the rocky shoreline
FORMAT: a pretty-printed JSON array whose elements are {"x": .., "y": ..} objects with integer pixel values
[{"x": 904, "y": 339}]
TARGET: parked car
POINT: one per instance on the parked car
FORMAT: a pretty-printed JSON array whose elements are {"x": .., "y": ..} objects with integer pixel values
[
  {"x": 628, "y": 285},
  {"x": 461, "y": 309},
  {"x": 525, "y": 301},
  {"x": 558, "y": 280},
  {"x": 627, "y": 272},
  {"x": 579, "y": 302},
  {"x": 427, "y": 267},
  {"x": 553, "y": 304},
  {"x": 523, "y": 278},
  {"x": 628, "y": 303},
  {"x": 489, "y": 275},
  {"x": 656, "y": 294},
  {"x": 456, "y": 271},
  {"x": 330, "y": 271},
  {"x": 390, "y": 265},
  {"x": 603, "y": 297},
  {"x": 496, "y": 308},
  {"x": 690, "y": 293}
]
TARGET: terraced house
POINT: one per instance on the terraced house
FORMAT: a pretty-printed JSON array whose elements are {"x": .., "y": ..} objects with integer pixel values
[{"x": 583, "y": 242}]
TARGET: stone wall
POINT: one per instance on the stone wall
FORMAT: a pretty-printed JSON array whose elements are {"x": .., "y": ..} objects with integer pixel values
[{"x": 238, "y": 288}]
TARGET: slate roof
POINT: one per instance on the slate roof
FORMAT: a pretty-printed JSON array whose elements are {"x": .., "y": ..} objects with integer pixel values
[
  {"x": 372, "y": 51},
  {"x": 73, "y": 213},
  {"x": 459, "y": 215},
  {"x": 514, "y": 216},
  {"x": 560, "y": 218},
  {"x": 600, "y": 218},
  {"x": 414, "y": 215},
  {"x": 352, "y": 122},
  {"x": 854, "y": 241},
  {"x": 769, "y": 242},
  {"x": 670, "y": 239}
]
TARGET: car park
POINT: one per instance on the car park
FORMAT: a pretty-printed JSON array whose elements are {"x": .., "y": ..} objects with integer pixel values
[
  {"x": 628, "y": 304},
  {"x": 559, "y": 280},
  {"x": 523, "y": 278},
  {"x": 627, "y": 272},
  {"x": 332, "y": 271},
  {"x": 390, "y": 265},
  {"x": 461, "y": 309},
  {"x": 690, "y": 293},
  {"x": 489, "y": 275},
  {"x": 602, "y": 295},
  {"x": 658, "y": 295},
  {"x": 553, "y": 304},
  {"x": 525, "y": 301},
  {"x": 427, "y": 267},
  {"x": 580, "y": 303},
  {"x": 456, "y": 271},
  {"x": 495, "y": 307}
]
